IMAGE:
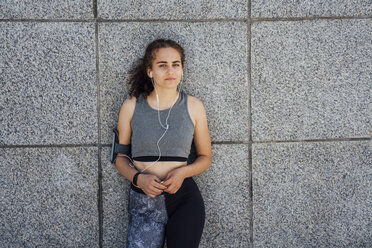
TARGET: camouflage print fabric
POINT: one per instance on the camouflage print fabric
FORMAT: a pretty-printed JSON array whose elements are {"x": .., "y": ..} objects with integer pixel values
[{"x": 147, "y": 220}]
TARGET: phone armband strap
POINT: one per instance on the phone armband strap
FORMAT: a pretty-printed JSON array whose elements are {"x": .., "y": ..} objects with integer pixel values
[{"x": 117, "y": 148}]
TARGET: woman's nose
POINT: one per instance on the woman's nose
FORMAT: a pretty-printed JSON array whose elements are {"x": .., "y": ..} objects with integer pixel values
[{"x": 170, "y": 69}]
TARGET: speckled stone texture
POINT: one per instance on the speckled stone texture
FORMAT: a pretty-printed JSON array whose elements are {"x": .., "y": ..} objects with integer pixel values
[
  {"x": 313, "y": 194},
  {"x": 51, "y": 9},
  {"x": 311, "y": 79},
  {"x": 48, "y": 197},
  {"x": 115, "y": 195},
  {"x": 225, "y": 189},
  {"x": 171, "y": 9},
  {"x": 48, "y": 83},
  {"x": 215, "y": 70},
  {"x": 289, "y": 8}
]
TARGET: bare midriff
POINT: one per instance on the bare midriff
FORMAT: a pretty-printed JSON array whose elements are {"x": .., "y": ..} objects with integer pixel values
[{"x": 160, "y": 168}]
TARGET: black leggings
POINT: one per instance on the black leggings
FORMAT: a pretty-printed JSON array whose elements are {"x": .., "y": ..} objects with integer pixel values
[
  {"x": 180, "y": 217},
  {"x": 186, "y": 216}
]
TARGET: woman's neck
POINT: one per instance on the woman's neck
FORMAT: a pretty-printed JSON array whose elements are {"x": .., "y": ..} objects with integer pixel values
[{"x": 166, "y": 98}]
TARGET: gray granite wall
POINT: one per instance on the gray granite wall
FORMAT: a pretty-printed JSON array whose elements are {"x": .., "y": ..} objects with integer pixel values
[{"x": 287, "y": 88}]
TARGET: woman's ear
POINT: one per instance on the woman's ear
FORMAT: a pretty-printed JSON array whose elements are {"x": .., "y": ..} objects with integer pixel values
[{"x": 149, "y": 73}]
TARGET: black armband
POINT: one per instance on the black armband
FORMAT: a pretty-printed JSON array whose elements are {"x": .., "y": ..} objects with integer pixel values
[{"x": 118, "y": 148}]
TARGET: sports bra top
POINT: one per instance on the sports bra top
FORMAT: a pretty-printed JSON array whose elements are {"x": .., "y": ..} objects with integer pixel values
[{"x": 146, "y": 131}]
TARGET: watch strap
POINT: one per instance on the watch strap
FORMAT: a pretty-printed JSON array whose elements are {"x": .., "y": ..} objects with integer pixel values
[{"x": 134, "y": 181}]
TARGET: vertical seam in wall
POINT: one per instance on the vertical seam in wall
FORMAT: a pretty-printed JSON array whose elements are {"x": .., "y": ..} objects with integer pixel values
[
  {"x": 95, "y": 9},
  {"x": 99, "y": 193},
  {"x": 99, "y": 198},
  {"x": 249, "y": 48}
]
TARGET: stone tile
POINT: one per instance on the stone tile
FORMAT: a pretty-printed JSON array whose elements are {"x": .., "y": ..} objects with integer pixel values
[
  {"x": 115, "y": 195},
  {"x": 51, "y": 9},
  {"x": 316, "y": 194},
  {"x": 311, "y": 79},
  {"x": 48, "y": 197},
  {"x": 168, "y": 10},
  {"x": 48, "y": 83},
  {"x": 287, "y": 8},
  {"x": 225, "y": 189},
  {"x": 215, "y": 70}
]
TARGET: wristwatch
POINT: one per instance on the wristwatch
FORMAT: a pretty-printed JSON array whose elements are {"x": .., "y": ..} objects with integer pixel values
[{"x": 135, "y": 179}]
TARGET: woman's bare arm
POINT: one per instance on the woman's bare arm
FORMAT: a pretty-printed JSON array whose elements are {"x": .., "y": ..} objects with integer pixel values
[{"x": 125, "y": 131}]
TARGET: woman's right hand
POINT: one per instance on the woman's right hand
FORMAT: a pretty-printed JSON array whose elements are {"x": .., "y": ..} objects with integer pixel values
[{"x": 150, "y": 184}]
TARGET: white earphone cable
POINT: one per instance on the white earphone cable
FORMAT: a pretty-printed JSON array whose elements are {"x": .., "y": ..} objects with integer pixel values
[{"x": 166, "y": 127}]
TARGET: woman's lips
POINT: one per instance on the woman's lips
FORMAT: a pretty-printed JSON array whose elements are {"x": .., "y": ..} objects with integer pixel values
[{"x": 170, "y": 79}]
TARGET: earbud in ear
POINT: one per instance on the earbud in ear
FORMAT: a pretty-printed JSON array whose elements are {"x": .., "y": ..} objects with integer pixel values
[{"x": 150, "y": 74}]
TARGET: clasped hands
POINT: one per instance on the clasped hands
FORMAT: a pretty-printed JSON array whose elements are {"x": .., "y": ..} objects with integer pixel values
[{"x": 153, "y": 186}]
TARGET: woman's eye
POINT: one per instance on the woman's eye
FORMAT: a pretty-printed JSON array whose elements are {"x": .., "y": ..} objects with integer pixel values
[
  {"x": 162, "y": 65},
  {"x": 176, "y": 64}
]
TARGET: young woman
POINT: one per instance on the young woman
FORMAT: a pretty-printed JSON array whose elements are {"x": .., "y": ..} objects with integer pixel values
[{"x": 160, "y": 123}]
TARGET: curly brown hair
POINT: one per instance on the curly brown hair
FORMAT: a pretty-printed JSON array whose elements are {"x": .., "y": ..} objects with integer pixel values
[{"x": 139, "y": 83}]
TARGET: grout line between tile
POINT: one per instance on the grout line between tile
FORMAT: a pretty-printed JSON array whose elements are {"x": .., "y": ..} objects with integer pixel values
[
  {"x": 250, "y": 19},
  {"x": 250, "y": 168},
  {"x": 99, "y": 193}
]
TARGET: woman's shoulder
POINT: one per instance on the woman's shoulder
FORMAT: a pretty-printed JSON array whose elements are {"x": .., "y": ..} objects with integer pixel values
[
  {"x": 194, "y": 102},
  {"x": 128, "y": 105},
  {"x": 130, "y": 101},
  {"x": 196, "y": 108}
]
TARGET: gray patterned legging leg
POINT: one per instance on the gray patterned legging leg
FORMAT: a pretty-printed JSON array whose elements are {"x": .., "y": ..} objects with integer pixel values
[{"x": 147, "y": 220}]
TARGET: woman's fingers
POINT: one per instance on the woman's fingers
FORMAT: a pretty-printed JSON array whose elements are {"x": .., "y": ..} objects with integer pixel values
[
  {"x": 173, "y": 187},
  {"x": 168, "y": 182},
  {"x": 151, "y": 185},
  {"x": 172, "y": 190},
  {"x": 172, "y": 184},
  {"x": 157, "y": 184}
]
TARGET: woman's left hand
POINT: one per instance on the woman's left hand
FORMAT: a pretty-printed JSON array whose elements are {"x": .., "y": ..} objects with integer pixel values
[{"x": 174, "y": 181}]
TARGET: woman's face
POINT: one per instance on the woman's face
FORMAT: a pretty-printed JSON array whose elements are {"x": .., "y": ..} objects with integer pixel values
[{"x": 166, "y": 68}]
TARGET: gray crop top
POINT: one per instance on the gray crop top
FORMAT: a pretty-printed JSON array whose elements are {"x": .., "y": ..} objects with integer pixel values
[{"x": 146, "y": 131}]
